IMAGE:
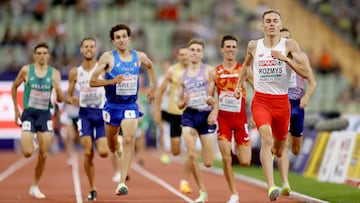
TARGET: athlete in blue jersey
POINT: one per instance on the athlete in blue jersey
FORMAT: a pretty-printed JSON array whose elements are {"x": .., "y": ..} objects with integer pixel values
[{"x": 122, "y": 67}]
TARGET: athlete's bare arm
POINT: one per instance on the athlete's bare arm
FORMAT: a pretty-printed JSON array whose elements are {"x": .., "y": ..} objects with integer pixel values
[
  {"x": 312, "y": 83},
  {"x": 105, "y": 62},
  {"x": 146, "y": 61},
  {"x": 20, "y": 78},
  {"x": 212, "y": 118},
  {"x": 56, "y": 78},
  {"x": 160, "y": 92},
  {"x": 71, "y": 87},
  {"x": 182, "y": 99},
  {"x": 245, "y": 71}
]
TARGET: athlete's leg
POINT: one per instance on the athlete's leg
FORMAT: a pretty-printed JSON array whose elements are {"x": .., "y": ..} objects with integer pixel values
[
  {"x": 190, "y": 137},
  {"x": 87, "y": 144},
  {"x": 26, "y": 142},
  {"x": 128, "y": 127}
]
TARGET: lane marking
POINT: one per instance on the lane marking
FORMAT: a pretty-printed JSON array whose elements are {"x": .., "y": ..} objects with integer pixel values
[
  {"x": 76, "y": 177},
  {"x": 261, "y": 184},
  {"x": 159, "y": 181},
  {"x": 14, "y": 167}
]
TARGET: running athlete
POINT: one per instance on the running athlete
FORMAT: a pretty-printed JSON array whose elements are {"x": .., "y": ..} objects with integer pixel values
[
  {"x": 122, "y": 69},
  {"x": 91, "y": 101},
  {"x": 268, "y": 60},
  {"x": 198, "y": 119},
  {"x": 39, "y": 80},
  {"x": 224, "y": 78}
]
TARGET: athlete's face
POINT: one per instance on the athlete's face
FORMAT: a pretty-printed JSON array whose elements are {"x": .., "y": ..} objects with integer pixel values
[
  {"x": 121, "y": 39},
  {"x": 229, "y": 50},
  {"x": 41, "y": 56},
  {"x": 183, "y": 56},
  {"x": 196, "y": 53},
  {"x": 272, "y": 24},
  {"x": 88, "y": 49}
]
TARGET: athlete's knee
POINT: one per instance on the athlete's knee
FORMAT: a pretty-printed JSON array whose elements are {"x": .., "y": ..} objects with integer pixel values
[
  {"x": 208, "y": 164},
  {"x": 227, "y": 160},
  {"x": 244, "y": 163},
  {"x": 103, "y": 153},
  {"x": 27, "y": 154},
  {"x": 295, "y": 150}
]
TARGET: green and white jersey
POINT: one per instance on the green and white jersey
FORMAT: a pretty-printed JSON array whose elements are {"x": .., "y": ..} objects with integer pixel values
[{"x": 37, "y": 91}]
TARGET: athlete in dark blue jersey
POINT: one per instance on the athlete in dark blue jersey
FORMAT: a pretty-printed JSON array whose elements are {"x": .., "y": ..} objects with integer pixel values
[{"x": 121, "y": 67}]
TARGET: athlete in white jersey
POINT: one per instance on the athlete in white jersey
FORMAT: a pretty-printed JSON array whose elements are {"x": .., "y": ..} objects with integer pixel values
[
  {"x": 267, "y": 58},
  {"x": 91, "y": 101}
]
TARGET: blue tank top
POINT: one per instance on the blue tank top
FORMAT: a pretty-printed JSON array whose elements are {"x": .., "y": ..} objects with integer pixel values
[
  {"x": 127, "y": 91},
  {"x": 197, "y": 88}
]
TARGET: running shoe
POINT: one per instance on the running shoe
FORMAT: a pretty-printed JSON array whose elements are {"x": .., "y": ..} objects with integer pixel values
[
  {"x": 233, "y": 199},
  {"x": 285, "y": 190},
  {"x": 274, "y": 193},
  {"x": 185, "y": 187},
  {"x": 92, "y": 196},
  {"x": 116, "y": 177},
  {"x": 203, "y": 197},
  {"x": 165, "y": 159},
  {"x": 121, "y": 189},
  {"x": 35, "y": 192}
]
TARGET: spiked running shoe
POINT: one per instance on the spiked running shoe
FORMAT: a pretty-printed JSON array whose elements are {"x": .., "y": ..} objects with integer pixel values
[
  {"x": 165, "y": 159},
  {"x": 35, "y": 192},
  {"x": 121, "y": 189},
  {"x": 92, "y": 196},
  {"x": 285, "y": 190},
  {"x": 233, "y": 199},
  {"x": 185, "y": 187},
  {"x": 203, "y": 197},
  {"x": 274, "y": 193}
]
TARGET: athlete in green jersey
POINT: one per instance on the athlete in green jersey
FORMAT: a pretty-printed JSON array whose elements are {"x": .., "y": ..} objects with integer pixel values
[{"x": 39, "y": 80}]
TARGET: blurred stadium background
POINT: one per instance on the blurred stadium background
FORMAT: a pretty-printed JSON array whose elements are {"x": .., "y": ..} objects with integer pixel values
[{"x": 327, "y": 30}]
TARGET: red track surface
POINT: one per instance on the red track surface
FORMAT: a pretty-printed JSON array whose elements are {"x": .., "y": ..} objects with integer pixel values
[{"x": 155, "y": 183}]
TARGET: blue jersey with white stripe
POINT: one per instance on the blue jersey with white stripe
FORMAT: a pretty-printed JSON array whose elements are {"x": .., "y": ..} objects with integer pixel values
[{"x": 126, "y": 91}]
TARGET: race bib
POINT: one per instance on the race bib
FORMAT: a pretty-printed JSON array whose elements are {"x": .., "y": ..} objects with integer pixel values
[
  {"x": 39, "y": 99},
  {"x": 292, "y": 81},
  {"x": 197, "y": 100},
  {"x": 128, "y": 85},
  {"x": 228, "y": 102}
]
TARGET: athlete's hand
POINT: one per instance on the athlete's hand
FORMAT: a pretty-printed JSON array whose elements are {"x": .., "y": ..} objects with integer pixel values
[
  {"x": 150, "y": 95},
  {"x": 210, "y": 100},
  {"x": 118, "y": 79},
  {"x": 278, "y": 55},
  {"x": 212, "y": 118},
  {"x": 237, "y": 93},
  {"x": 17, "y": 117}
]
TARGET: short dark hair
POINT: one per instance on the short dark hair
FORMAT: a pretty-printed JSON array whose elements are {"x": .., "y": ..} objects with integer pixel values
[
  {"x": 118, "y": 27},
  {"x": 41, "y": 44},
  {"x": 87, "y": 38},
  {"x": 284, "y": 30},
  {"x": 227, "y": 37}
]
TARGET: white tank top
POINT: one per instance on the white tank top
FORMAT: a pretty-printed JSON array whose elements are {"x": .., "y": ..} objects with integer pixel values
[
  {"x": 271, "y": 76},
  {"x": 89, "y": 97}
]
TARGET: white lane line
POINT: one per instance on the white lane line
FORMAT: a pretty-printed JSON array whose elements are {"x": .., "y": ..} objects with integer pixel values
[
  {"x": 76, "y": 177},
  {"x": 261, "y": 184},
  {"x": 159, "y": 181},
  {"x": 14, "y": 167}
]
